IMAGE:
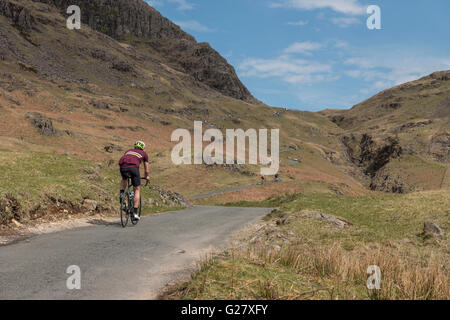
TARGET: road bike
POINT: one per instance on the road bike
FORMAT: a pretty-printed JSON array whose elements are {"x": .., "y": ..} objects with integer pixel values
[{"x": 127, "y": 205}]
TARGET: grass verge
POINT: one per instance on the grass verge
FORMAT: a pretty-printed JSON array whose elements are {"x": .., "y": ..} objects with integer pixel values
[
  {"x": 306, "y": 258},
  {"x": 37, "y": 185}
]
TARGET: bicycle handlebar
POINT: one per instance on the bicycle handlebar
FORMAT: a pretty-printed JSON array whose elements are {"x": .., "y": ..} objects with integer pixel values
[{"x": 147, "y": 181}]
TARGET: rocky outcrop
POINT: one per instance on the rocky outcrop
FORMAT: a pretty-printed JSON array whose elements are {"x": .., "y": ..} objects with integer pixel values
[
  {"x": 122, "y": 19},
  {"x": 381, "y": 156},
  {"x": 441, "y": 75},
  {"x": 337, "y": 222},
  {"x": 440, "y": 147},
  {"x": 387, "y": 181},
  {"x": 411, "y": 125},
  {"x": 19, "y": 15},
  {"x": 168, "y": 198},
  {"x": 206, "y": 65},
  {"x": 368, "y": 154},
  {"x": 42, "y": 123},
  {"x": 10, "y": 209},
  {"x": 372, "y": 157}
]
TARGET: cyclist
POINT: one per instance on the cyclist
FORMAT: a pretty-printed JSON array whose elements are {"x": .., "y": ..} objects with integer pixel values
[{"x": 129, "y": 167}]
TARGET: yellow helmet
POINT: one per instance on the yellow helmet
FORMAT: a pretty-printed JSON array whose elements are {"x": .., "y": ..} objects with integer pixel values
[{"x": 139, "y": 145}]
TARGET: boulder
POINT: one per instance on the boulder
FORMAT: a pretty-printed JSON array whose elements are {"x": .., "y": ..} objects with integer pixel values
[
  {"x": 338, "y": 222},
  {"x": 433, "y": 228},
  {"x": 90, "y": 205},
  {"x": 283, "y": 220},
  {"x": 16, "y": 223},
  {"x": 110, "y": 148}
]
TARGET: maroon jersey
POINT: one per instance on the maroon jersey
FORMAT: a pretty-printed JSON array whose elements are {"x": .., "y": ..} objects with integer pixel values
[{"x": 133, "y": 158}]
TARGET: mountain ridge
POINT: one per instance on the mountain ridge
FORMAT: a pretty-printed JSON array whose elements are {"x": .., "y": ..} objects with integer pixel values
[{"x": 135, "y": 20}]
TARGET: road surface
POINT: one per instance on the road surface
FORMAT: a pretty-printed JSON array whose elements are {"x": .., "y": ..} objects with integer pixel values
[
  {"x": 115, "y": 263},
  {"x": 210, "y": 194}
]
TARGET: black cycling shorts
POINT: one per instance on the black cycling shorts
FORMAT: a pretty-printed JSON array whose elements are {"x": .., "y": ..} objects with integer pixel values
[{"x": 132, "y": 173}]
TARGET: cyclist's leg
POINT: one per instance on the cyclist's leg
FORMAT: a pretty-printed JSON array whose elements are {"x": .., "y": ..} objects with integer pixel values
[
  {"x": 137, "y": 196},
  {"x": 136, "y": 180},
  {"x": 123, "y": 183}
]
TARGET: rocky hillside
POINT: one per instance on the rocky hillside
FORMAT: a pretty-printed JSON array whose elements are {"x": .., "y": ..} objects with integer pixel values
[
  {"x": 400, "y": 135},
  {"x": 135, "y": 20}
]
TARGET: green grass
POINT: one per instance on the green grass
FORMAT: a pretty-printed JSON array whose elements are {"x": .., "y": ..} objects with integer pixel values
[
  {"x": 321, "y": 262},
  {"x": 235, "y": 278},
  {"x": 34, "y": 177},
  {"x": 377, "y": 217}
]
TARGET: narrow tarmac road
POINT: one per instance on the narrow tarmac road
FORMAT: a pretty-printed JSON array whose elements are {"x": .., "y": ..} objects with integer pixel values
[
  {"x": 115, "y": 263},
  {"x": 210, "y": 194}
]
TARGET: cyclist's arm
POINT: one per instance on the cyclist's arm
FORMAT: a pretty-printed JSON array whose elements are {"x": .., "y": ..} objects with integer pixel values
[{"x": 147, "y": 171}]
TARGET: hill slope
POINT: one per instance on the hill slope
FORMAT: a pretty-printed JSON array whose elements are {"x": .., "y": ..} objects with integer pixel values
[
  {"x": 136, "y": 21},
  {"x": 76, "y": 99},
  {"x": 408, "y": 124}
]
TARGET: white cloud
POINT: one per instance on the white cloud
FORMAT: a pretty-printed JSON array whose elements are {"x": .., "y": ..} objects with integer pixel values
[
  {"x": 300, "y": 23},
  {"x": 311, "y": 78},
  {"x": 340, "y": 44},
  {"x": 182, "y": 4},
  {"x": 193, "y": 26},
  {"x": 345, "y": 22},
  {"x": 289, "y": 69},
  {"x": 303, "y": 47},
  {"x": 351, "y": 7},
  {"x": 353, "y": 73},
  {"x": 385, "y": 70}
]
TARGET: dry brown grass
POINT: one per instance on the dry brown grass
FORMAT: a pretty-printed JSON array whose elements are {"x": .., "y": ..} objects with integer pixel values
[
  {"x": 303, "y": 273},
  {"x": 402, "y": 277}
]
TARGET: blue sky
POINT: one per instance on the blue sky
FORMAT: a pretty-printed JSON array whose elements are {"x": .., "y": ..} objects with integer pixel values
[{"x": 317, "y": 54}]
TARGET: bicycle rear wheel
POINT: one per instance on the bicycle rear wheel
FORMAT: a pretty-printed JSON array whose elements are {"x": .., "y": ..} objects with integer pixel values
[{"x": 124, "y": 208}]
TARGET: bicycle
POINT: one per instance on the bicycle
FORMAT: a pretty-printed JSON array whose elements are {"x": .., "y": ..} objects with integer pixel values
[{"x": 127, "y": 205}]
